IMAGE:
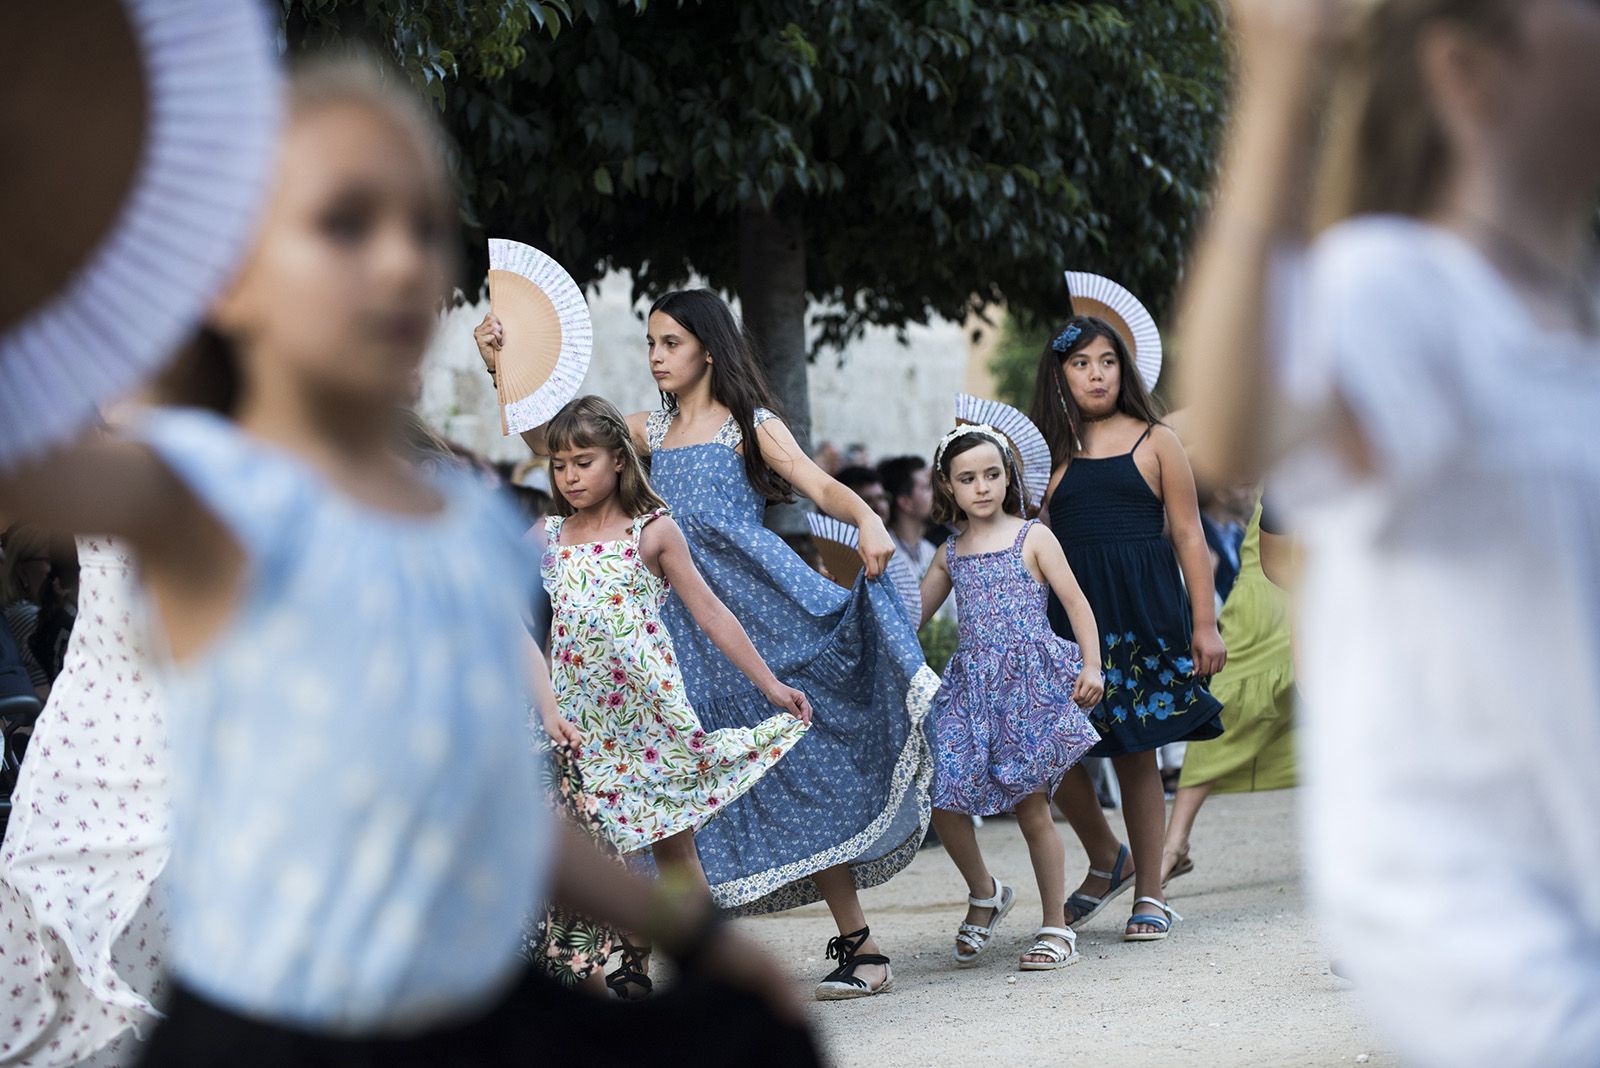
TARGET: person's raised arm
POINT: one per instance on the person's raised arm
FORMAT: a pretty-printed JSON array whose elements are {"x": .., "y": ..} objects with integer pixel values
[
  {"x": 662, "y": 544},
  {"x": 102, "y": 485},
  {"x": 1182, "y": 504},
  {"x": 936, "y": 586},
  {"x": 490, "y": 337},
  {"x": 1264, "y": 207},
  {"x": 1044, "y": 551},
  {"x": 784, "y": 455}
]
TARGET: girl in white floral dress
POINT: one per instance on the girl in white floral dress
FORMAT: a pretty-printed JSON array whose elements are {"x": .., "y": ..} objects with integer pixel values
[{"x": 612, "y": 557}]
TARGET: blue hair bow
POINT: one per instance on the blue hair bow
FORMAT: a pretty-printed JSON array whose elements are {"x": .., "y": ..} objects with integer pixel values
[{"x": 1067, "y": 339}]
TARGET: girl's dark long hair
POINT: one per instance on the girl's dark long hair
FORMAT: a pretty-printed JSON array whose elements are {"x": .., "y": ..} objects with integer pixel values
[
  {"x": 736, "y": 379},
  {"x": 1054, "y": 411}
]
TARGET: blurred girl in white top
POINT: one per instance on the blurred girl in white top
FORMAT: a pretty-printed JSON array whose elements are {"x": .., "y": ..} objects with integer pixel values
[{"x": 1397, "y": 306}]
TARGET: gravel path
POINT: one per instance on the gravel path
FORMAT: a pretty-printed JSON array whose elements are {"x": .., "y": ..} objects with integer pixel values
[{"x": 1242, "y": 982}]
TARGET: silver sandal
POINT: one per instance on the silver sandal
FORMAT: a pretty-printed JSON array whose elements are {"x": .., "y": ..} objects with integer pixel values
[
  {"x": 1059, "y": 958},
  {"x": 976, "y": 937}
]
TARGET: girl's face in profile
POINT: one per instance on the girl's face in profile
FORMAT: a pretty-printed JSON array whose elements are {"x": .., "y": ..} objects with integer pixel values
[
  {"x": 1094, "y": 377},
  {"x": 978, "y": 481},
  {"x": 677, "y": 359},
  {"x": 341, "y": 292}
]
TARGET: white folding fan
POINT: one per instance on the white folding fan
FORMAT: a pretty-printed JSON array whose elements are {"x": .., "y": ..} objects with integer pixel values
[
  {"x": 138, "y": 141},
  {"x": 549, "y": 336},
  {"x": 1091, "y": 294},
  {"x": 1027, "y": 443},
  {"x": 839, "y": 543}
]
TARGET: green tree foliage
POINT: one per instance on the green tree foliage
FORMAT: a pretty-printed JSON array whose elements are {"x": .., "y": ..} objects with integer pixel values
[{"x": 884, "y": 161}]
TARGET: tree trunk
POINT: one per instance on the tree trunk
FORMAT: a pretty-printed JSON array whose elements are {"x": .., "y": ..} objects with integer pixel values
[{"x": 772, "y": 296}]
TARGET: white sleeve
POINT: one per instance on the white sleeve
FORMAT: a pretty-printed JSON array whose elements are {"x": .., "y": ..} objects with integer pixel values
[{"x": 1366, "y": 322}]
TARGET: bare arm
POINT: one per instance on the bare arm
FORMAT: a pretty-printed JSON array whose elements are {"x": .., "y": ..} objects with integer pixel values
[
  {"x": 561, "y": 730},
  {"x": 1280, "y": 560},
  {"x": 1268, "y": 172},
  {"x": 936, "y": 586},
  {"x": 490, "y": 337},
  {"x": 1189, "y": 540},
  {"x": 102, "y": 486},
  {"x": 1043, "y": 552},
  {"x": 784, "y": 455},
  {"x": 664, "y": 550}
]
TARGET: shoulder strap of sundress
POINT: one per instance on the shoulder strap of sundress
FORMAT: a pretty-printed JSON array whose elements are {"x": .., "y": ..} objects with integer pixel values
[
  {"x": 763, "y": 414},
  {"x": 552, "y": 529},
  {"x": 640, "y": 522},
  {"x": 1146, "y": 434},
  {"x": 655, "y": 428},
  {"x": 1023, "y": 533}
]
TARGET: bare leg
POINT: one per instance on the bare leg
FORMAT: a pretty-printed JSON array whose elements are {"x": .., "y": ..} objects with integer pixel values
[
  {"x": 1076, "y": 799},
  {"x": 678, "y": 857},
  {"x": 1185, "y": 807},
  {"x": 1144, "y": 807},
  {"x": 1049, "y": 859},
  {"x": 960, "y": 841},
  {"x": 838, "y": 889}
]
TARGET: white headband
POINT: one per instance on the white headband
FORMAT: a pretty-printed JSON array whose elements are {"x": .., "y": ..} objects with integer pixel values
[{"x": 1001, "y": 442}]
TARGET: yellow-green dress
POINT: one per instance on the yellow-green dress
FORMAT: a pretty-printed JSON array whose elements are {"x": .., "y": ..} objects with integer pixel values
[{"x": 1256, "y": 688}]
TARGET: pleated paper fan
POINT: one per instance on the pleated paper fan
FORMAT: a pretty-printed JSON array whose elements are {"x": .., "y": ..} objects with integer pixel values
[
  {"x": 549, "y": 336},
  {"x": 1027, "y": 443},
  {"x": 139, "y": 140},
  {"x": 838, "y": 543},
  {"x": 1102, "y": 298}
]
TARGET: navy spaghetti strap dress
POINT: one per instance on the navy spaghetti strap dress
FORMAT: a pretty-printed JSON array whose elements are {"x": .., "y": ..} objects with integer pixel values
[{"x": 1111, "y": 526}]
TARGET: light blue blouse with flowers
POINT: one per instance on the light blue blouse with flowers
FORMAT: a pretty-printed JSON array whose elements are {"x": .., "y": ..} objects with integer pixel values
[{"x": 358, "y": 836}]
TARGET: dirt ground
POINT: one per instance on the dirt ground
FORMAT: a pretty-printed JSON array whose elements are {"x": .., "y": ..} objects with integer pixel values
[{"x": 1242, "y": 981}]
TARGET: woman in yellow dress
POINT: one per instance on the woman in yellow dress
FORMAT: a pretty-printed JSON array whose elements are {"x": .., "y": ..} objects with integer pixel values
[{"x": 1256, "y": 688}]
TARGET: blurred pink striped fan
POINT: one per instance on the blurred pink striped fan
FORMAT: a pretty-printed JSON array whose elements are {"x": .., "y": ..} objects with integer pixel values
[{"x": 139, "y": 140}]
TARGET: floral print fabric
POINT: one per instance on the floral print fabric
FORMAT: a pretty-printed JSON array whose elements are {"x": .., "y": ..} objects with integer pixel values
[
  {"x": 654, "y": 770},
  {"x": 566, "y": 945},
  {"x": 83, "y": 928},
  {"x": 1005, "y": 725}
]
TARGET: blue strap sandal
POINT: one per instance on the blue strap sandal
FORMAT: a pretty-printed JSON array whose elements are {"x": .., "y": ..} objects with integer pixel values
[
  {"x": 1162, "y": 923},
  {"x": 1081, "y": 908}
]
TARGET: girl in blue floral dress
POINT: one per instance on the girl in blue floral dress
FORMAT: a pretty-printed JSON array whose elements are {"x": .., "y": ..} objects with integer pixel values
[
  {"x": 1123, "y": 503},
  {"x": 848, "y": 807},
  {"x": 1008, "y": 719}
]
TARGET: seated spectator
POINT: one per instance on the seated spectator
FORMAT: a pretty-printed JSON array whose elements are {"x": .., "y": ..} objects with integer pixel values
[
  {"x": 864, "y": 482},
  {"x": 24, "y": 567}
]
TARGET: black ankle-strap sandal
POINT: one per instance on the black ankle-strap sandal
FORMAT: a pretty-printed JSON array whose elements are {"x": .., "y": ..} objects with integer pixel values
[
  {"x": 841, "y": 984},
  {"x": 629, "y": 982}
]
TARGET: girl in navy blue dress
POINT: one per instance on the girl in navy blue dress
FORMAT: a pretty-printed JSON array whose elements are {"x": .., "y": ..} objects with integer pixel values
[{"x": 1123, "y": 502}]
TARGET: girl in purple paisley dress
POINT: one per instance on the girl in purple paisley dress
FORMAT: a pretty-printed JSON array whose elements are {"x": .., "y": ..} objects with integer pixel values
[{"x": 1009, "y": 718}]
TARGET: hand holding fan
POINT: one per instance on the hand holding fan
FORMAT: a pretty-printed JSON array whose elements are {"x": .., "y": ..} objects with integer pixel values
[
  {"x": 549, "y": 336},
  {"x": 138, "y": 152},
  {"x": 838, "y": 543},
  {"x": 1091, "y": 294},
  {"x": 1027, "y": 443}
]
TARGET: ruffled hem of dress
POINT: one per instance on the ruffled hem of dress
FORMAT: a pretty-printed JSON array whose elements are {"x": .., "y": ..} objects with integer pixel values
[
  {"x": 1009, "y": 797},
  {"x": 697, "y": 819},
  {"x": 67, "y": 1039},
  {"x": 789, "y": 885}
]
